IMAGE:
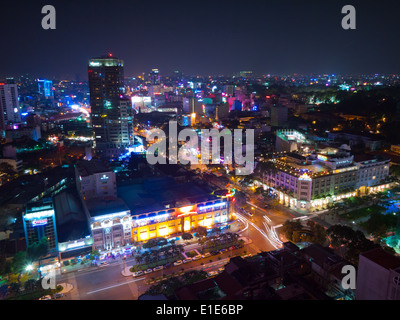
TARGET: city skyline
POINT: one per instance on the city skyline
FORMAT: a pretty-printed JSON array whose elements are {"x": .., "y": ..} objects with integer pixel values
[{"x": 201, "y": 38}]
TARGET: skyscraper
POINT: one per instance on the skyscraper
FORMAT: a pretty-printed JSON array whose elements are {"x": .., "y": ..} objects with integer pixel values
[
  {"x": 9, "y": 105},
  {"x": 109, "y": 113},
  {"x": 45, "y": 87}
]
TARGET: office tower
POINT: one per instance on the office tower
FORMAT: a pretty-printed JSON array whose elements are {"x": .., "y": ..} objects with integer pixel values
[
  {"x": 9, "y": 105},
  {"x": 106, "y": 86},
  {"x": 192, "y": 105},
  {"x": 39, "y": 221},
  {"x": 154, "y": 76},
  {"x": 45, "y": 87}
]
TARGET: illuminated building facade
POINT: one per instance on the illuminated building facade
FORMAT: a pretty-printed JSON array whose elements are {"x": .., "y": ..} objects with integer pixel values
[
  {"x": 45, "y": 87},
  {"x": 111, "y": 223},
  {"x": 110, "y": 113},
  {"x": 161, "y": 207},
  {"x": 39, "y": 221},
  {"x": 166, "y": 223},
  {"x": 325, "y": 178},
  {"x": 108, "y": 215}
]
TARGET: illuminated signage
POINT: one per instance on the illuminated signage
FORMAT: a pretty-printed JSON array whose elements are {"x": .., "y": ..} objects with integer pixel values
[
  {"x": 212, "y": 206},
  {"x": 94, "y": 64},
  {"x": 110, "y": 216},
  {"x": 38, "y": 215},
  {"x": 322, "y": 158},
  {"x": 75, "y": 244},
  {"x": 37, "y": 223},
  {"x": 305, "y": 176},
  {"x": 186, "y": 209},
  {"x": 104, "y": 177}
]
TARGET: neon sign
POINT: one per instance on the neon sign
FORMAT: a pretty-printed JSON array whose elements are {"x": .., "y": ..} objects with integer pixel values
[{"x": 37, "y": 223}]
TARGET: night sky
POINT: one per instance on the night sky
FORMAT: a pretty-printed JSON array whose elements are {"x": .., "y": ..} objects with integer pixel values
[{"x": 218, "y": 37}]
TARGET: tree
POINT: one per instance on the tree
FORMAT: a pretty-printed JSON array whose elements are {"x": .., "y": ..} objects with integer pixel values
[
  {"x": 19, "y": 263},
  {"x": 94, "y": 255},
  {"x": 187, "y": 236},
  {"x": 289, "y": 227},
  {"x": 30, "y": 285},
  {"x": 353, "y": 241},
  {"x": 14, "y": 287},
  {"x": 139, "y": 259},
  {"x": 37, "y": 250},
  {"x": 201, "y": 232}
]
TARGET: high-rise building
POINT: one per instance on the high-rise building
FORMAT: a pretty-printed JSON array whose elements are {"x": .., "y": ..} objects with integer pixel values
[
  {"x": 154, "y": 77},
  {"x": 39, "y": 221},
  {"x": 45, "y": 87},
  {"x": 9, "y": 105},
  {"x": 109, "y": 110},
  {"x": 192, "y": 105}
]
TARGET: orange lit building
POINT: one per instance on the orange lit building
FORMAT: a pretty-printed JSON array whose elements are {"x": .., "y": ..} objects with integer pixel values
[{"x": 162, "y": 208}]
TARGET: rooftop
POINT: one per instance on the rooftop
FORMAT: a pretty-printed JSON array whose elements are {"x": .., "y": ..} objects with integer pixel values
[
  {"x": 382, "y": 258},
  {"x": 142, "y": 196},
  {"x": 87, "y": 168},
  {"x": 99, "y": 207},
  {"x": 70, "y": 217}
]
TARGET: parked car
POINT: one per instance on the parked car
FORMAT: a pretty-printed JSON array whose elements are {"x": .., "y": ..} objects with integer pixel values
[
  {"x": 212, "y": 273},
  {"x": 58, "y": 295},
  {"x": 196, "y": 257},
  {"x": 221, "y": 269},
  {"x": 137, "y": 273},
  {"x": 158, "y": 268},
  {"x": 214, "y": 253},
  {"x": 148, "y": 270},
  {"x": 103, "y": 264},
  {"x": 187, "y": 260},
  {"x": 223, "y": 250},
  {"x": 177, "y": 263},
  {"x": 47, "y": 297},
  {"x": 207, "y": 254}
]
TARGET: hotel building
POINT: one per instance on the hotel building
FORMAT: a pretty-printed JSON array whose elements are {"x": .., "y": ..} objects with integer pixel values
[{"x": 313, "y": 180}]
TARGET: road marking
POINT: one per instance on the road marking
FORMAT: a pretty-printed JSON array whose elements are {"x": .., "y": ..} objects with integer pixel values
[{"x": 116, "y": 285}]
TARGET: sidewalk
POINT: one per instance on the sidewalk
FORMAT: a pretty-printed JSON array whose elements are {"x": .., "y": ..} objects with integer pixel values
[
  {"x": 126, "y": 272},
  {"x": 67, "y": 287}
]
